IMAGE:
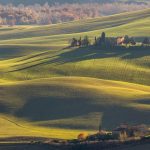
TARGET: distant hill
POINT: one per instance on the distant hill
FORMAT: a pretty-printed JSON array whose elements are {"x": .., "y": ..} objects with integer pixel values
[{"x": 28, "y": 2}]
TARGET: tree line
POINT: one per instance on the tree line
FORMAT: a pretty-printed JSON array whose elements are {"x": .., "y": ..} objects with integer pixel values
[
  {"x": 51, "y": 14},
  {"x": 104, "y": 41}
]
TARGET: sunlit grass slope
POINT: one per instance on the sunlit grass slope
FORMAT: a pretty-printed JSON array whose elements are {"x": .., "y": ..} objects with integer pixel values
[
  {"x": 131, "y": 65},
  {"x": 75, "y": 102},
  {"x": 80, "y": 26},
  {"x": 49, "y": 90},
  {"x": 29, "y": 52},
  {"x": 14, "y": 127},
  {"x": 136, "y": 24}
]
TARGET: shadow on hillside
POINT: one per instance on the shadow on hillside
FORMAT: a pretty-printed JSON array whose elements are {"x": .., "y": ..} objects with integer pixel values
[
  {"x": 54, "y": 108},
  {"x": 115, "y": 115},
  {"x": 87, "y": 53},
  {"x": 11, "y": 51},
  {"x": 145, "y": 101},
  {"x": 49, "y": 109},
  {"x": 93, "y": 52},
  {"x": 4, "y": 108}
]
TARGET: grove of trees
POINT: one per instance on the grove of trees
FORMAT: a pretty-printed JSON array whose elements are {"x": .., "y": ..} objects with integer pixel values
[
  {"x": 106, "y": 42},
  {"x": 51, "y": 14}
]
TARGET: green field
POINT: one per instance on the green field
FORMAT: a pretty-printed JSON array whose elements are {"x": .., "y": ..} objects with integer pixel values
[{"x": 49, "y": 90}]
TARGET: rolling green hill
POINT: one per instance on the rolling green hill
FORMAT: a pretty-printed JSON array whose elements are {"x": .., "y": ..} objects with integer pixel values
[
  {"x": 127, "y": 22},
  {"x": 74, "y": 103},
  {"x": 49, "y": 90}
]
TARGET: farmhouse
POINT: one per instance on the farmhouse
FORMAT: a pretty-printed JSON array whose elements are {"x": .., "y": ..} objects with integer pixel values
[
  {"x": 122, "y": 132},
  {"x": 125, "y": 131},
  {"x": 120, "y": 40}
]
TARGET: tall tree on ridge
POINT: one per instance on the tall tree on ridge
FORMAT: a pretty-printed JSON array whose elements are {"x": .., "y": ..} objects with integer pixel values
[{"x": 146, "y": 41}]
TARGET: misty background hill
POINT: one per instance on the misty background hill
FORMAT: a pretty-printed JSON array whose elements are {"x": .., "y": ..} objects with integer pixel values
[{"x": 29, "y": 2}]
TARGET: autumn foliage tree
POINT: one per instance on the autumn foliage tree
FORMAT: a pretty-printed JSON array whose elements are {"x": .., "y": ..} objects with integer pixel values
[{"x": 56, "y": 13}]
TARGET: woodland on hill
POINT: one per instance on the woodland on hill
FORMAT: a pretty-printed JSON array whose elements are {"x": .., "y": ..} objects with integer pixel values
[
  {"x": 29, "y": 2},
  {"x": 51, "y": 14}
]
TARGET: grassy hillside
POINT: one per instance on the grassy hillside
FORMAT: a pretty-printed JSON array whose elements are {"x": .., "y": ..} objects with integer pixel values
[
  {"x": 90, "y": 62},
  {"x": 60, "y": 91},
  {"x": 14, "y": 127},
  {"x": 42, "y": 48},
  {"x": 75, "y": 102},
  {"x": 125, "y": 21}
]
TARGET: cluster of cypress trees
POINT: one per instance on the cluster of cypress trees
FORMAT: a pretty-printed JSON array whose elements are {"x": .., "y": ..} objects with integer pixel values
[{"x": 104, "y": 41}]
